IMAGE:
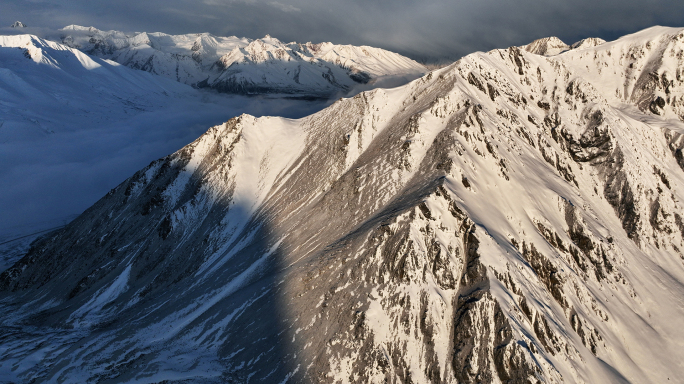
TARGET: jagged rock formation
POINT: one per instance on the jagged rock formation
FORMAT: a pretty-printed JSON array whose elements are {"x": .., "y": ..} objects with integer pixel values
[
  {"x": 245, "y": 66},
  {"x": 510, "y": 218},
  {"x": 18, "y": 24}
]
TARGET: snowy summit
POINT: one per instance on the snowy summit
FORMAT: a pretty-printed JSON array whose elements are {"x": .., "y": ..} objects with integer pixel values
[{"x": 551, "y": 46}]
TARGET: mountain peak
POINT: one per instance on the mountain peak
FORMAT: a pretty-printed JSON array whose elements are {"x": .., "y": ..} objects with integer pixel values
[
  {"x": 548, "y": 46},
  {"x": 589, "y": 42},
  {"x": 18, "y": 24},
  {"x": 270, "y": 40},
  {"x": 80, "y": 28}
]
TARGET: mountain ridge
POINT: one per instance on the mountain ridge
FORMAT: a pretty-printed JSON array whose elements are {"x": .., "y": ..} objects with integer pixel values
[{"x": 551, "y": 46}]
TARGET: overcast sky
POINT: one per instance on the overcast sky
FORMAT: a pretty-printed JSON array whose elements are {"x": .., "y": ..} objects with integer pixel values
[{"x": 429, "y": 29}]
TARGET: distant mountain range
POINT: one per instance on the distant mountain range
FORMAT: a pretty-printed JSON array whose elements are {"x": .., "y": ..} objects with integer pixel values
[{"x": 246, "y": 66}]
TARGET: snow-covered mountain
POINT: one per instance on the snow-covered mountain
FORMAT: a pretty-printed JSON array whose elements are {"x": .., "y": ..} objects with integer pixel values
[
  {"x": 44, "y": 84},
  {"x": 510, "y": 218},
  {"x": 547, "y": 46},
  {"x": 73, "y": 126},
  {"x": 587, "y": 43},
  {"x": 551, "y": 46},
  {"x": 246, "y": 66}
]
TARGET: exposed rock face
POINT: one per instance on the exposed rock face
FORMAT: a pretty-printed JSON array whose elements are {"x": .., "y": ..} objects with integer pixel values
[
  {"x": 18, "y": 24},
  {"x": 511, "y": 218},
  {"x": 245, "y": 66}
]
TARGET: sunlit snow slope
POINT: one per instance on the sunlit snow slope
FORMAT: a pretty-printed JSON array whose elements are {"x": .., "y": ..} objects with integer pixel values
[
  {"x": 511, "y": 218},
  {"x": 246, "y": 66}
]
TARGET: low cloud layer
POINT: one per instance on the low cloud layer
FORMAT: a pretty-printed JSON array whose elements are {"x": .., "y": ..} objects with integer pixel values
[{"x": 432, "y": 29}]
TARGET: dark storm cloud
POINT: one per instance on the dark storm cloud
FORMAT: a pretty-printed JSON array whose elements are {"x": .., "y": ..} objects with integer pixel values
[{"x": 432, "y": 29}]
